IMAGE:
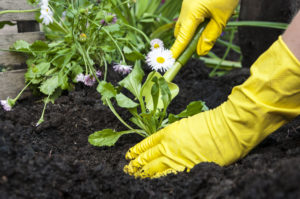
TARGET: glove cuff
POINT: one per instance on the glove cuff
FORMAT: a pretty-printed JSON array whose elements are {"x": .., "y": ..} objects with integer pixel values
[{"x": 269, "y": 98}]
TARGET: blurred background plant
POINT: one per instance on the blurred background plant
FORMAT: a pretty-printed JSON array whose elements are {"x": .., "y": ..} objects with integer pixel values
[{"x": 83, "y": 37}]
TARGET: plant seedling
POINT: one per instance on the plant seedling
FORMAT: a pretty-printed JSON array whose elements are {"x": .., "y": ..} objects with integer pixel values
[{"x": 172, "y": 72}]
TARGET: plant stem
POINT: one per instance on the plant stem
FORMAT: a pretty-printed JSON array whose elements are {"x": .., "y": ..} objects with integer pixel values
[
  {"x": 63, "y": 28},
  {"x": 16, "y": 98},
  {"x": 186, "y": 55},
  {"x": 264, "y": 24},
  {"x": 139, "y": 31},
  {"x": 81, "y": 51},
  {"x": 116, "y": 114},
  {"x": 105, "y": 68},
  {"x": 212, "y": 73},
  {"x": 64, "y": 25},
  {"x": 43, "y": 113},
  {"x": 224, "y": 65},
  {"x": 111, "y": 37},
  {"x": 18, "y": 11},
  {"x": 172, "y": 72},
  {"x": 116, "y": 44}
]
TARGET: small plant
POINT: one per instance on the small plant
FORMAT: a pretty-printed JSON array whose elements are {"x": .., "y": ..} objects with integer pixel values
[{"x": 148, "y": 110}]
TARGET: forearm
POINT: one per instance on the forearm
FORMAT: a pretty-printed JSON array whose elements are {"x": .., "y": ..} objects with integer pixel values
[{"x": 291, "y": 36}]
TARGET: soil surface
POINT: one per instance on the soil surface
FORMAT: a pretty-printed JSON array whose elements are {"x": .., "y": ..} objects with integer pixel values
[{"x": 55, "y": 160}]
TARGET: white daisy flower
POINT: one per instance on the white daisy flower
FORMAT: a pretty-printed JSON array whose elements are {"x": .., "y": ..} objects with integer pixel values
[
  {"x": 6, "y": 106},
  {"x": 160, "y": 59},
  {"x": 122, "y": 69},
  {"x": 156, "y": 43},
  {"x": 46, "y": 14}
]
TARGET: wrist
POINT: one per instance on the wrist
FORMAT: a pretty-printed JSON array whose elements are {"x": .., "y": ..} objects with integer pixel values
[{"x": 291, "y": 36}]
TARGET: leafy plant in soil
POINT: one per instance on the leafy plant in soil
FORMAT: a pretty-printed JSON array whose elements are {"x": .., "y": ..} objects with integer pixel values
[
  {"x": 83, "y": 38},
  {"x": 152, "y": 98},
  {"x": 148, "y": 121}
]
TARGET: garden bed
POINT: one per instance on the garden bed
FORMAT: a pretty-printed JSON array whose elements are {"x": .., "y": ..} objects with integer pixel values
[{"x": 55, "y": 160}]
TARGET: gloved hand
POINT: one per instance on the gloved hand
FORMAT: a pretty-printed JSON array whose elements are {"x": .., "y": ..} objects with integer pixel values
[
  {"x": 269, "y": 98},
  {"x": 193, "y": 12}
]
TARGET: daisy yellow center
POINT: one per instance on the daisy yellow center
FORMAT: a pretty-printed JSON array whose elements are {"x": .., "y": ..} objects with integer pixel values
[
  {"x": 156, "y": 46},
  {"x": 160, "y": 60}
]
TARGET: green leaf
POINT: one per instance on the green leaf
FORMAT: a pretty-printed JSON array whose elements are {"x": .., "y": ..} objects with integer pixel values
[
  {"x": 63, "y": 57},
  {"x": 54, "y": 27},
  {"x": 106, "y": 137},
  {"x": 113, "y": 28},
  {"x": 56, "y": 43},
  {"x": 192, "y": 109},
  {"x": 39, "y": 46},
  {"x": 134, "y": 55},
  {"x": 75, "y": 70},
  {"x": 133, "y": 81},
  {"x": 127, "y": 50},
  {"x": 141, "y": 7},
  {"x": 3, "y": 23},
  {"x": 56, "y": 94},
  {"x": 155, "y": 93},
  {"x": 165, "y": 92},
  {"x": 63, "y": 80},
  {"x": 108, "y": 48},
  {"x": 21, "y": 45},
  {"x": 33, "y": 2},
  {"x": 41, "y": 68},
  {"x": 125, "y": 102},
  {"x": 138, "y": 122},
  {"x": 146, "y": 90},
  {"x": 107, "y": 90},
  {"x": 49, "y": 86}
]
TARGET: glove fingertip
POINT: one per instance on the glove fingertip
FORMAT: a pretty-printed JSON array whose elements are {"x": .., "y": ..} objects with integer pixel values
[
  {"x": 208, "y": 38},
  {"x": 164, "y": 173},
  {"x": 176, "y": 50},
  {"x": 203, "y": 46},
  {"x": 130, "y": 155},
  {"x": 176, "y": 30}
]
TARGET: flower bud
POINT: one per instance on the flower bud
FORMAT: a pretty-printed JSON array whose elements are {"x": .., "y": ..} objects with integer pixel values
[{"x": 82, "y": 37}]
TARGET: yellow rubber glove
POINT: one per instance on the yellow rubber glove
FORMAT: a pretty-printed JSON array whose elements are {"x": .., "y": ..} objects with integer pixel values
[
  {"x": 269, "y": 98},
  {"x": 193, "y": 12}
]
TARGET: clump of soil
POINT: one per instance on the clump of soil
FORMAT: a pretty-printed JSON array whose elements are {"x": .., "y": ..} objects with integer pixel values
[{"x": 55, "y": 160}]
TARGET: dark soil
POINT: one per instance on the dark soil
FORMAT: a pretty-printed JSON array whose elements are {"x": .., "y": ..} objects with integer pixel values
[{"x": 55, "y": 160}]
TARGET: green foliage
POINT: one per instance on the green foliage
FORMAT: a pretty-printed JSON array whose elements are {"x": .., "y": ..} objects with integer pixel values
[
  {"x": 133, "y": 81},
  {"x": 3, "y": 23},
  {"x": 153, "y": 17},
  {"x": 85, "y": 37},
  {"x": 192, "y": 109},
  {"x": 33, "y": 2},
  {"x": 147, "y": 121},
  {"x": 106, "y": 137},
  {"x": 107, "y": 90}
]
